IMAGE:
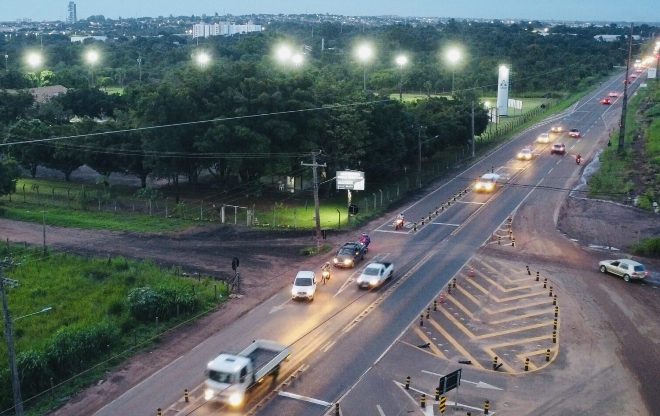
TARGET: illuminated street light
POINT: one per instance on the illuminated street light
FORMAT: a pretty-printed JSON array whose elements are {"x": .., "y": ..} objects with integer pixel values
[
  {"x": 297, "y": 59},
  {"x": 203, "y": 59},
  {"x": 364, "y": 54},
  {"x": 34, "y": 60},
  {"x": 453, "y": 56},
  {"x": 92, "y": 57},
  {"x": 401, "y": 61},
  {"x": 283, "y": 53}
]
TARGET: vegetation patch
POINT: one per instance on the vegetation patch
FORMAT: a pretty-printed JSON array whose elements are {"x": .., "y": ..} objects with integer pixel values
[{"x": 101, "y": 308}]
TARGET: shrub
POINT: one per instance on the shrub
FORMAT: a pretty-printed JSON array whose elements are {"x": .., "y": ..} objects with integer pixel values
[
  {"x": 649, "y": 247},
  {"x": 143, "y": 303}
]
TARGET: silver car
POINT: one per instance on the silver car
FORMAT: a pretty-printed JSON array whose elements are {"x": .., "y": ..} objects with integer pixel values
[{"x": 628, "y": 269}]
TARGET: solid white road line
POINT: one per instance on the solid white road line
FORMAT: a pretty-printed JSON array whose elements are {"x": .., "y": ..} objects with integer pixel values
[
  {"x": 446, "y": 223},
  {"x": 304, "y": 398},
  {"x": 380, "y": 410}
]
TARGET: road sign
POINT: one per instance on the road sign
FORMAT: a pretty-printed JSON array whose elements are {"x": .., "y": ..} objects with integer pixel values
[
  {"x": 352, "y": 180},
  {"x": 450, "y": 381}
]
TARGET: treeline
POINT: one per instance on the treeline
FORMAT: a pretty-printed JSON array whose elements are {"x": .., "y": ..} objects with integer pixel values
[{"x": 261, "y": 109}]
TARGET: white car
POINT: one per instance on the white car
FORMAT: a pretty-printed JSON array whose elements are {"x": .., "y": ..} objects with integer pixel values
[
  {"x": 628, "y": 269},
  {"x": 525, "y": 154},
  {"x": 304, "y": 286},
  {"x": 487, "y": 182},
  {"x": 543, "y": 138},
  {"x": 375, "y": 274}
]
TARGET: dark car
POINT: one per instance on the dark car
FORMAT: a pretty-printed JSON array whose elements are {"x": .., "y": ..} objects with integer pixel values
[
  {"x": 558, "y": 149},
  {"x": 348, "y": 255}
]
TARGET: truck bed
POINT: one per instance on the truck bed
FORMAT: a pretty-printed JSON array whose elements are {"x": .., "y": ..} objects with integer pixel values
[
  {"x": 265, "y": 356},
  {"x": 261, "y": 356}
]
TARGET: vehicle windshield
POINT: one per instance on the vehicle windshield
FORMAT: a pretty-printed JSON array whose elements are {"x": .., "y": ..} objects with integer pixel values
[
  {"x": 220, "y": 376},
  {"x": 303, "y": 281},
  {"x": 371, "y": 271},
  {"x": 639, "y": 268},
  {"x": 346, "y": 251}
]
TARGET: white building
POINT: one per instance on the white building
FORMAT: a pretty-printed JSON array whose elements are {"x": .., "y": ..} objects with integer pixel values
[
  {"x": 71, "y": 16},
  {"x": 203, "y": 30}
]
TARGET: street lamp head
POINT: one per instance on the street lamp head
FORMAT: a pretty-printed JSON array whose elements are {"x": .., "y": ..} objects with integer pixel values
[
  {"x": 504, "y": 70},
  {"x": 283, "y": 53},
  {"x": 453, "y": 55},
  {"x": 34, "y": 59},
  {"x": 402, "y": 60},
  {"x": 364, "y": 52},
  {"x": 92, "y": 56},
  {"x": 202, "y": 58},
  {"x": 297, "y": 59},
  {"x": 486, "y": 104}
]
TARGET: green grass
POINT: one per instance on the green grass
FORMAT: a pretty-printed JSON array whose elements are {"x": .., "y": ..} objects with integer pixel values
[
  {"x": 63, "y": 217},
  {"x": 86, "y": 291}
]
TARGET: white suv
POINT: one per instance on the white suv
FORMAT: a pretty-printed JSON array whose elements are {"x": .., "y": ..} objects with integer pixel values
[
  {"x": 304, "y": 286},
  {"x": 628, "y": 269}
]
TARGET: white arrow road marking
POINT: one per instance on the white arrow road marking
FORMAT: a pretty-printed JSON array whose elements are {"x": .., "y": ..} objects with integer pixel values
[
  {"x": 478, "y": 384},
  {"x": 279, "y": 307},
  {"x": 304, "y": 398}
]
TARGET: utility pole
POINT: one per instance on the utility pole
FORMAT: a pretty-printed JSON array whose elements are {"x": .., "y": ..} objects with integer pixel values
[
  {"x": 419, "y": 156},
  {"x": 624, "y": 103},
  {"x": 9, "y": 334},
  {"x": 472, "y": 129},
  {"x": 315, "y": 176}
]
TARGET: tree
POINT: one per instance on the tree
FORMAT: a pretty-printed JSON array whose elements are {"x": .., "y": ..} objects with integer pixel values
[{"x": 9, "y": 172}]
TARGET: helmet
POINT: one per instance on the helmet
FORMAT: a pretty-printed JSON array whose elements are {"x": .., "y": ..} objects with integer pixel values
[{"x": 364, "y": 234}]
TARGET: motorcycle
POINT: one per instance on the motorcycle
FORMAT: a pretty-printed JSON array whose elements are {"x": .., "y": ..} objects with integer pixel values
[
  {"x": 325, "y": 275},
  {"x": 578, "y": 160},
  {"x": 365, "y": 241},
  {"x": 398, "y": 224}
]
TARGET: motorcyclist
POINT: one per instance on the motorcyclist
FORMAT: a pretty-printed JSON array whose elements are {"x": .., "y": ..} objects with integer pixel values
[
  {"x": 325, "y": 271},
  {"x": 578, "y": 159},
  {"x": 365, "y": 241},
  {"x": 398, "y": 223}
]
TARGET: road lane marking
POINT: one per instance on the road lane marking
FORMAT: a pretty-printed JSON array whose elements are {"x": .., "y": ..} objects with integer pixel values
[
  {"x": 328, "y": 346},
  {"x": 471, "y": 202},
  {"x": 304, "y": 398},
  {"x": 478, "y": 384},
  {"x": 456, "y": 344},
  {"x": 446, "y": 223},
  {"x": 380, "y": 410},
  {"x": 428, "y": 340},
  {"x": 279, "y": 307}
]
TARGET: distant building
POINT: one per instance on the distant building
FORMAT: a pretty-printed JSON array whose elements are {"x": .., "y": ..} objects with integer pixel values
[
  {"x": 71, "y": 16},
  {"x": 202, "y": 30},
  {"x": 81, "y": 38},
  {"x": 613, "y": 38},
  {"x": 42, "y": 94}
]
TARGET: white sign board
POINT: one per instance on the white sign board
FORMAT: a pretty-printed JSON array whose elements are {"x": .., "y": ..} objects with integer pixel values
[
  {"x": 352, "y": 180},
  {"x": 517, "y": 104},
  {"x": 652, "y": 73}
]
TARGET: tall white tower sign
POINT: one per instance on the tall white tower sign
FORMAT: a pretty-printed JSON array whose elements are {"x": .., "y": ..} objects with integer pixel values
[{"x": 503, "y": 91}]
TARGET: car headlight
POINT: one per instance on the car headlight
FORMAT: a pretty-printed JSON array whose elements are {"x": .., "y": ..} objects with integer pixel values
[
  {"x": 235, "y": 399},
  {"x": 335, "y": 260},
  {"x": 489, "y": 187},
  {"x": 293, "y": 291},
  {"x": 373, "y": 282},
  {"x": 208, "y": 394},
  {"x": 348, "y": 262}
]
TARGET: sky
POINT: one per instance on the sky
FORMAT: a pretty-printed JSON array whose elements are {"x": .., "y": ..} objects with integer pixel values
[{"x": 583, "y": 10}]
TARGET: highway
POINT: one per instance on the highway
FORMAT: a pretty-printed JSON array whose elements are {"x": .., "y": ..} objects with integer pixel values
[{"x": 339, "y": 337}]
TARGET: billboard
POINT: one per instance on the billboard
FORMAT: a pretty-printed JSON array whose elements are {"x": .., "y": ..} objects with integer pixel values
[
  {"x": 352, "y": 180},
  {"x": 652, "y": 73}
]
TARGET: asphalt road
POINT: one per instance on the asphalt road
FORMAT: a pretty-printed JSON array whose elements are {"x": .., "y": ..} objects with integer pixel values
[{"x": 338, "y": 337}]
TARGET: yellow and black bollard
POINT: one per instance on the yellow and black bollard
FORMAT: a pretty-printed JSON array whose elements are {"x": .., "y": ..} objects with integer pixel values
[
  {"x": 495, "y": 362},
  {"x": 421, "y": 320},
  {"x": 513, "y": 242},
  {"x": 556, "y": 311},
  {"x": 554, "y": 300},
  {"x": 336, "y": 409},
  {"x": 414, "y": 226},
  {"x": 550, "y": 291},
  {"x": 527, "y": 364},
  {"x": 545, "y": 283},
  {"x": 537, "y": 276},
  {"x": 159, "y": 412},
  {"x": 528, "y": 272},
  {"x": 185, "y": 396},
  {"x": 428, "y": 312},
  {"x": 554, "y": 337},
  {"x": 486, "y": 407},
  {"x": 547, "y": 355},
  {"x": 453, "y": 283},
  {"x": 408, "y": 383},
  {"x": 442, "y": 405},
  {"x": 422, "y": 401},
  {"x": 435, "y": 305},
  {"x": 554, "y": 325},
  {"x": 510, "y": 234},
  {"x": 499, "y": 240}
]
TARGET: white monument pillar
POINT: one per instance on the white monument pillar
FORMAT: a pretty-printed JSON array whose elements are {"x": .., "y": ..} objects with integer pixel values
[{"x": 503, "y": 91}]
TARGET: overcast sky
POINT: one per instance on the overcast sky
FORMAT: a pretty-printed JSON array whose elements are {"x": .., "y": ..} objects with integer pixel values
[{"x": 586, "y": 10}]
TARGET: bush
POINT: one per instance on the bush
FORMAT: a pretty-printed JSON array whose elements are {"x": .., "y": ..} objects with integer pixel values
[
  {"x": 648, "y": 248},
  {"x": 146, "y": 303},
  {"x": 143, "y": 303}
]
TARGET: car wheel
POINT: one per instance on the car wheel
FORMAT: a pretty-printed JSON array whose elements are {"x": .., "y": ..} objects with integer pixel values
[
  {"x": 626, "y": 277},
  {"x": 603, "y": 269}
]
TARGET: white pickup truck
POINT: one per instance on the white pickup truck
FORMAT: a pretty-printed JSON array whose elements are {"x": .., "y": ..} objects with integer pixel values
[
  {"x": 375, "y": 274},
  {"x": 230, "y": 376}
]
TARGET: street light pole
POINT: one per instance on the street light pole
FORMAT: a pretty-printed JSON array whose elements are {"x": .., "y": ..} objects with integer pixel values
[
  {"x": 6, "y": 62},
  {"x": 624, "y": 102},
  {"x": 9, "y": 335},
  {"x": 472, "y": 129},
  {"x": 139, "y": 62}
]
